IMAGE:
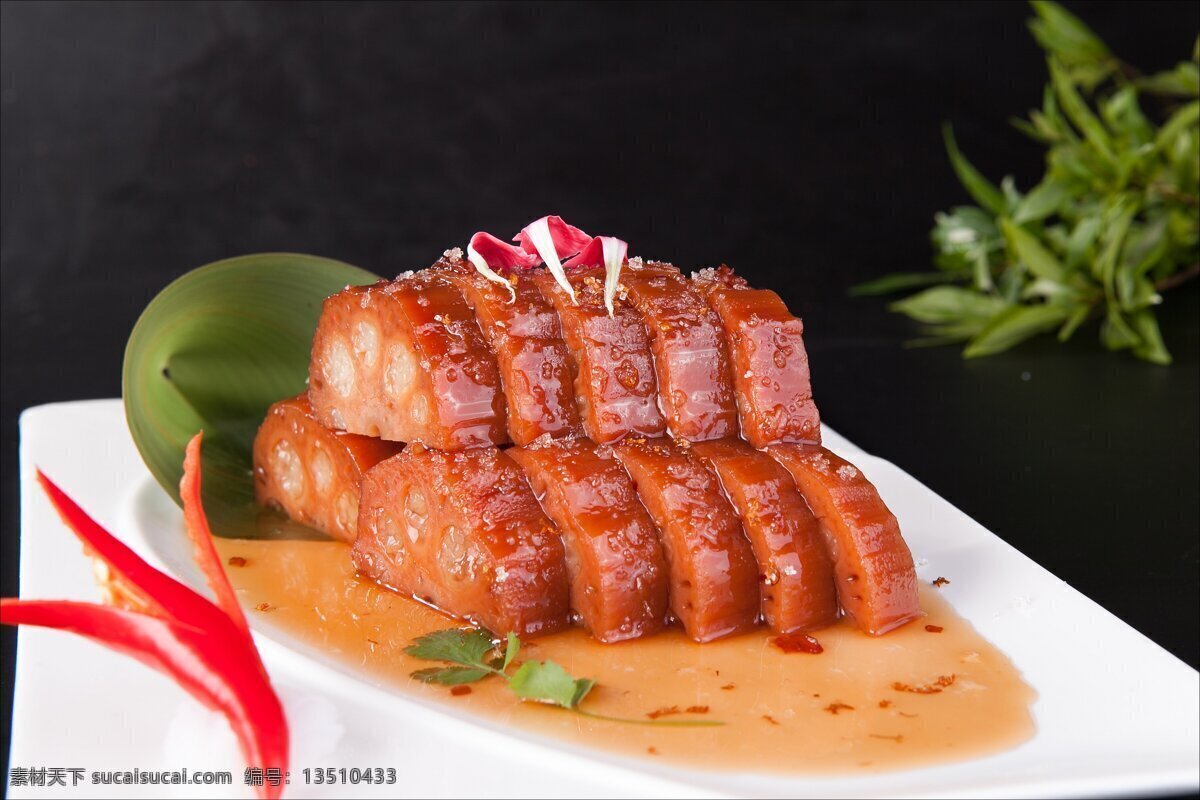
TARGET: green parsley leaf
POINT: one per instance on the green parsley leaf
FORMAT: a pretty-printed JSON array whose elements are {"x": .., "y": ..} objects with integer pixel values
[
  {"x": 466, "y": 646},
  {"x": 451, "y": 676},
  {"x": 511, "y": 648},
  {"x": 543, "y": 682},
  {"x": 547, "y": 682}
]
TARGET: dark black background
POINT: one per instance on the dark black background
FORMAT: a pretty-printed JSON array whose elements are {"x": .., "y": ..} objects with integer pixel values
[{"x": 798, "y": 143}]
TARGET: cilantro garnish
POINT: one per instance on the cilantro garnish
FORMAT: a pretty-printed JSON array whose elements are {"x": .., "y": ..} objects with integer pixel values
[{"x": 475, "y": 653}]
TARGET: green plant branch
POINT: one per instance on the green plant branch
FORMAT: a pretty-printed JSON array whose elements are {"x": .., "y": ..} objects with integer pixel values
[{"x": 1111, "y": 225}]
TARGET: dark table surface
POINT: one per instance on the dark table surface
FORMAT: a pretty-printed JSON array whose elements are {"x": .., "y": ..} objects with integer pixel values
[{"x": 799, "y": 144}]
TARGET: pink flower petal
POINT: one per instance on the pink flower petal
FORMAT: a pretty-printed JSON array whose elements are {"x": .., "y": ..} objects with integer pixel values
[
  {"x": 488, "y": 254},
  {"x": 551, "y": 239},
  {"x": 568, "y": 240},
  {"x": 500, "y": 254}
]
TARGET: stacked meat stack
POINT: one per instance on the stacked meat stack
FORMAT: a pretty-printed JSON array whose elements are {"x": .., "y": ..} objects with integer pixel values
[{"x": 527, "y": 444}]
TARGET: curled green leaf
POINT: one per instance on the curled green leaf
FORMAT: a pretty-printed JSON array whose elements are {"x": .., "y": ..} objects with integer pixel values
[{"x": 212, "y": 351}]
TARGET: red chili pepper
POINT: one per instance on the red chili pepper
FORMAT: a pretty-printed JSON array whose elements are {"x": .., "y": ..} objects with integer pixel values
[
  {"x": 196, "y": 523},
  {"x": 206, "y": 648}
]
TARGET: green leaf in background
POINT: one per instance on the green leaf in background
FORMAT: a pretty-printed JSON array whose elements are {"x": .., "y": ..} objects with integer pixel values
[
  {"x": 949, "y": 304},
  {"x": 1040, "y": 261},
  {"x": 979, "y": 187},
  {"x": 1043, "y": 201},
  {"x": 1013, "y": 326},
  {"x": 1109, "y": 228},
  {"x": 902, "y": 280},
  {"x": 1183, "y": 81},
  {"x": 1078, "y": 112},
  {"x": 1060, "y": 32},
  {"x": 1179, "y": 122},
  {"x": 212, "y": 351},
  {"x": 1151, "y": 347}
]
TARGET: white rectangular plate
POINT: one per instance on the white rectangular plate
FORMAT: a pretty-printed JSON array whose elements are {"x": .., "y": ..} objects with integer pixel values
[{"x": 1116, "y": 714}]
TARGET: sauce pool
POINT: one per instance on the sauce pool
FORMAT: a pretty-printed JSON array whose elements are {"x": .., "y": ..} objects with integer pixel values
[{"x": 911, "y": 698}]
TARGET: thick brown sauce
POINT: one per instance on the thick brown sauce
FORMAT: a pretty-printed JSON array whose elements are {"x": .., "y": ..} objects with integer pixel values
[{"x": 907, "y": 699}]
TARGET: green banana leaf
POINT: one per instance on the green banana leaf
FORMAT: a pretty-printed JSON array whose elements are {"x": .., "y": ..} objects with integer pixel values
[{"x": 212, "y": 351}]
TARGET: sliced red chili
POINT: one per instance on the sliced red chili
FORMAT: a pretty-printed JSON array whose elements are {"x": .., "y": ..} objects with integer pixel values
[
  {"x": 206, "y": 648},
  {"x": 196, "y": 523}
]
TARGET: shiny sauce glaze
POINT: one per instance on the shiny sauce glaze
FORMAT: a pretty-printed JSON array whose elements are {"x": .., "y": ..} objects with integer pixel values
[
  {"x": 463, "y": 532},
  {"x": 615, "y": 384},
  {"x": 619, "y": 579},
  {"x": 466, "y": 391},
  {"x": 312, "y": 473},
  {"x": 770, "y": 364},
  {"x": 522, "y": 331},
  {"x": 694, "y": 381},
  {"x": 714, "y": 577},
  {"x": 795, "y": 570},
  {"x": 863, "y": 705}
]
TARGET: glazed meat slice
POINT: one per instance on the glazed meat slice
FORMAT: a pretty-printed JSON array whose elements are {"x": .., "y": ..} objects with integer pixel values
[
  {"x": 619, "y": 580},
  {"x": 714, "y": 578},
  {"x": 405, "y": 361},
  {"x": 876, "y": 581},
  {"x": 463, "y": 532},
  {"x": 311, "y": 473},
  {"x": 615, "y": 385},
  {"x": 695, "y": 386},
  {"x": 770, "y": 364},
  {"x": 523, "y": 333},
  {"x": 794, "y": 566}
]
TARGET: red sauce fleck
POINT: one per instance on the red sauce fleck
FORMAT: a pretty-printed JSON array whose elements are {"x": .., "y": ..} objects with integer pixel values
[
  {"x": 834, "y": 708},
  {"x": 931, "y": 688},
  {"x": 934, "y": 628},
  {"x": 665, "y": 711},
  {"x": 237, "y": 561},
  {"x": 728, "y": 687},
  {"x": 263, "y": 607},
  {"x": 770, "y": 719},
  {"x": 885, "y": 703},
  {"x": 940, "y": 582},
  {"x": 798, "y": 643},
  {"x": 697, "y": 709},
  {"x": 652, "y": 751},
  {"x": 460, "y": 690}
]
